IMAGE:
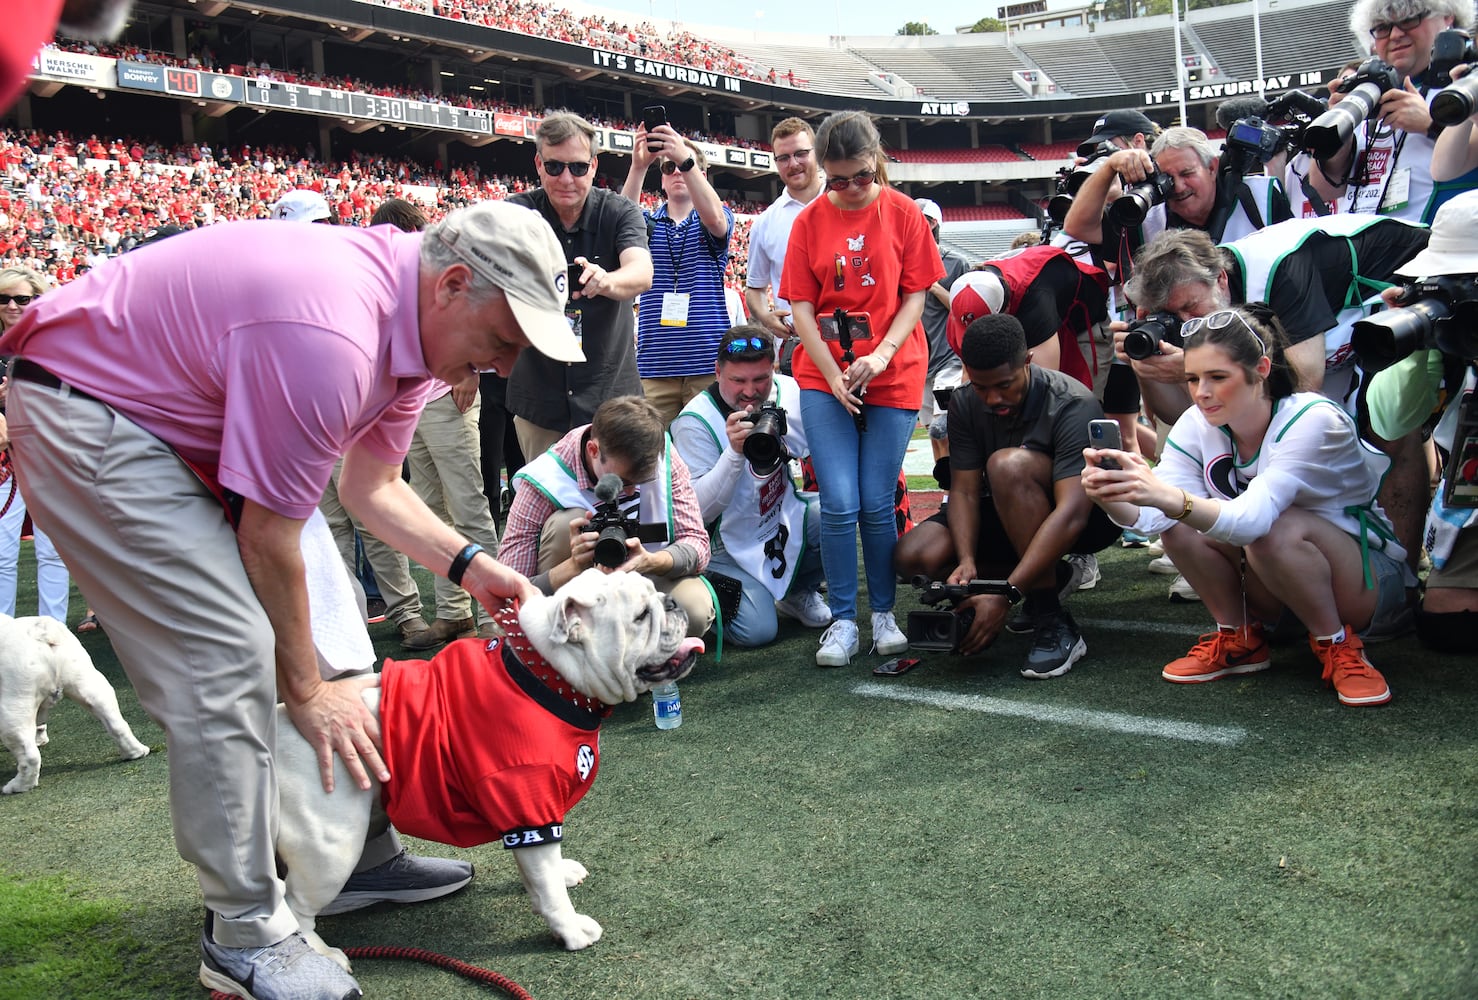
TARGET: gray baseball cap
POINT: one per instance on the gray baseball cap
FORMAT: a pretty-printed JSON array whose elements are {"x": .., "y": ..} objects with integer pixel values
[{"x": 514, "y": 248}]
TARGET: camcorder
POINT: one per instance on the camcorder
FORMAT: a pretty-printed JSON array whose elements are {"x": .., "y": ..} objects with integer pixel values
[
  {"x": 944, "y": 630},
  {"x": 1457, "y": 98},
  {"x": 1335, "y": 128},
  {"x": 1438, "y": 313},
  {"x": 1144, "y": 337},
  {"x": 765, "y": 449},
  {"x": 1259, "y": 130},
  {"x": 613, "y": 526},
  {"x": 1071, "y": 179}
]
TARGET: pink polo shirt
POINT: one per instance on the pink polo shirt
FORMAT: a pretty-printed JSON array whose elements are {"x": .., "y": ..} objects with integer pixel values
[{"x": 264, "y": 348}]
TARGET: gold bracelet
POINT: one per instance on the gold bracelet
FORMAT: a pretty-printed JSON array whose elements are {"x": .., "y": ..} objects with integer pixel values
[{"x": 1185, "y": 511}]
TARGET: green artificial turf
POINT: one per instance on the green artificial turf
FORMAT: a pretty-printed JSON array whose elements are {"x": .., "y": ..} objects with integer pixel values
[{"x": 800, "y": 837}]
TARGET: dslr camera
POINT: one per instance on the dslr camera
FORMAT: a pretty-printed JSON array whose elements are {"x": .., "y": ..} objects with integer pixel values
[
  {"x": 1457, "y": 98},
  {"x": 1135, "y": 203},
  {"x": 1438, "y": 313},
  {"x": 765, "y": 449},
  {"x": 1143, "y": 338},
  {"x": 1333, "y": 130},
  {"x": 944, "y": 630},
  {"x": 613, "y": 526},
  {"x": 1071, "y": 179}
]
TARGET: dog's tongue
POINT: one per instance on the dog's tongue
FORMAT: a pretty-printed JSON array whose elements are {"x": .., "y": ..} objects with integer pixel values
[{"x": 690, "y": 645}]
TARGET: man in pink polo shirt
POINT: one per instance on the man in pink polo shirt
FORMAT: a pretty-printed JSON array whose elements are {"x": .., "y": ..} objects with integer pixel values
[{"x": 233, "y": 365}]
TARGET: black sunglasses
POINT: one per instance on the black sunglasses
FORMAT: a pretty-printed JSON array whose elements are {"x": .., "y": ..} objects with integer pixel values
[
  {"x": 668, "y": 167},
  {"x": 20, "y": 300},
  {"x": 578, "y": 168},
  {"x": 744, "y": 345},
  {"x": 861, "y": 178},
  {"x": 1406, "y": 24}
]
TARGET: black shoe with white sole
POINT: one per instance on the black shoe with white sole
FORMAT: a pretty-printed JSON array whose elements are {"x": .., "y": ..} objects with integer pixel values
[{"x": 1056, "y": 646}]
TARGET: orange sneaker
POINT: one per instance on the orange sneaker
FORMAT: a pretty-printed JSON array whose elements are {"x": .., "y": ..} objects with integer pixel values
[
  {"x": 1220, "y": 654},
  {"x": 1345, "y": 666}
]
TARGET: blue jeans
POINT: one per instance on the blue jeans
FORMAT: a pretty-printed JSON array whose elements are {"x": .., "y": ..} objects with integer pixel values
[
  {"x": 756, "y": 624},
  {"x": 857, "y": 475}
]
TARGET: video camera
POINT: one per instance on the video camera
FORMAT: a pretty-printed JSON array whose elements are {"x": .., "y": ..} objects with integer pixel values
[
  {"x": 613, "y": 526},
  {"x": 1071, "y": 179},
  {"x": 1144, "y": 336},
  {"x": 765, "y": 449},
  {"x": 1457, "y": 98},
  {"x": 1259, "y": 130},
  {"x": 944, "y": 630},
  {"x": 1438, "y": 313},
  {"x": 1335, "y": 128}
]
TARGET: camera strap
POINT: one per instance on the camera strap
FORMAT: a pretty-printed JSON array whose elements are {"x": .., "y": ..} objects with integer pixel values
[{"x": 1318, "y": 204}]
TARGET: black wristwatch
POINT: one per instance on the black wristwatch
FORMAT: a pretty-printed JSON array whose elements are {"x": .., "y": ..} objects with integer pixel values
[
  {"x": 1013, "y": 593},
  {"x": 687, "y": 165}
]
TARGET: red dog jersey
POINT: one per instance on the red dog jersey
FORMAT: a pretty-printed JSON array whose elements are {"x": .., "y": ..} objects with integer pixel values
[{"x": 479, "y": 749}]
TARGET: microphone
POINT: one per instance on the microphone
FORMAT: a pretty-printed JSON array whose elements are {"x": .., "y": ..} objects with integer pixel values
[
  {"x": 608, "y": 487},
  {"x": 1297, "y": 100},
  {"x": 1229, "y": 112}
]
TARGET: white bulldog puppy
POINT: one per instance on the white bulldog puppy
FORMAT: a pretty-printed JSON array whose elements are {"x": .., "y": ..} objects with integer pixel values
[
  {"x": 491, "y": 740},
  {"x": 40, "y": 661}
]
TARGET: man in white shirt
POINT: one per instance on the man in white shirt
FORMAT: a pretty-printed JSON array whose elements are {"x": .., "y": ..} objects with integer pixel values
[{"x": 794, "y": 147}]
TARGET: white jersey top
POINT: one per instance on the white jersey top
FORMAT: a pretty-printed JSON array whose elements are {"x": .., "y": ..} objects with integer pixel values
[
  {"x": 762, "y": 523},
  {"x": 1311, "y": 457}
]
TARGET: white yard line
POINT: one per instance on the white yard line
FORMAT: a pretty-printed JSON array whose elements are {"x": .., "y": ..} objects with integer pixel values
[{"x": 1082, "y": 718}]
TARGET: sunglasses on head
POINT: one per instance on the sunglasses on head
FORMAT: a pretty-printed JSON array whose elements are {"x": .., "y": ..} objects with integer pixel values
[
  {"x": 577, "y": 168},
  {"x": 861, "y": 179},
  {"x": 1406, "y": 24},
  {"x": 20, "y": 300},
  {"x": 1220, "y": 320},
  {"x": 745, "y": 345}
]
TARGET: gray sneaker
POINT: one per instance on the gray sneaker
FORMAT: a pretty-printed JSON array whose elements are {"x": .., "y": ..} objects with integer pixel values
[
  {"x": 405, "y": 878},
  {"x": 1056, "y": 646},
  {"x": 287, "y": 970}
]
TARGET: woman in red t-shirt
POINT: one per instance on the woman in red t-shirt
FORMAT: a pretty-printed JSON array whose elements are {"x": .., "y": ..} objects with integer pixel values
[{"x": 864, "y": 248}]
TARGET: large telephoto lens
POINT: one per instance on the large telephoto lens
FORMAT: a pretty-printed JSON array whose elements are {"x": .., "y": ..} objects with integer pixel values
[
  {"x": 1455, "y": 103},
  {"x": 1332, "y": 131},
  {"x": 1385, "y": 338}
]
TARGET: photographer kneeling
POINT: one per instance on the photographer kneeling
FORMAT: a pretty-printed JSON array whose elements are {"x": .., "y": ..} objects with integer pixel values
[
  {"x": 559, "y": 495},
  {"x": 1016, "y": 505},
  {"x": 1255, "y": 471},
  {"x": 737, "y": 438},
  {"x": 1405, "y": 395}
]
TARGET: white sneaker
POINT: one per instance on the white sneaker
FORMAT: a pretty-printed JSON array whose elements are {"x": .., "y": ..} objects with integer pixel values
[
  {"x": 1155, "y": 547},
  {"x": 1181, "y": 591},
  {"x": 1162, "y": 566},
  {"x": 809, "y": 608},
  {"x": 838, "y": 644},
  {"x": 886, "y": 638}
]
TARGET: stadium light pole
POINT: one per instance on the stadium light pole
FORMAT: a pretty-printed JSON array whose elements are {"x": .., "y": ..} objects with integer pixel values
[
  {"x": 1257, "y": 48},
  {"x": 1180, "y": 74}
]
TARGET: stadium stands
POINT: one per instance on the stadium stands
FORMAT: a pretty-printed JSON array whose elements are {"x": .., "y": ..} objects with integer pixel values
[
  {"x": 985, "y": 154},
  {"x": 1293, "y": 38}
]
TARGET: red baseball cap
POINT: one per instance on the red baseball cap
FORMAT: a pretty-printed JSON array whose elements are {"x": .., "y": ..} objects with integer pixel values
[{"x": 974, "y": 294}]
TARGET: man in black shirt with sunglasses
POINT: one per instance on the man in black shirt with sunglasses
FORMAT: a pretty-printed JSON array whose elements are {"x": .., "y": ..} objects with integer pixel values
[{"x": 605, "y": 240}]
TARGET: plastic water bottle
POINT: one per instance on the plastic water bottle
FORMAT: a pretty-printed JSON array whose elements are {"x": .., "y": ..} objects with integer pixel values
[{"x": 667, "y": 706}]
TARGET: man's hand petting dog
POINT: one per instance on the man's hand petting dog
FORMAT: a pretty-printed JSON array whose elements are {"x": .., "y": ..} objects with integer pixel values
[{"x": 492, "y": 740}]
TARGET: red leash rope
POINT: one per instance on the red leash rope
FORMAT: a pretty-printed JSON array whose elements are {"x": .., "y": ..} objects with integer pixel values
[{"x": 478, "y": 975}]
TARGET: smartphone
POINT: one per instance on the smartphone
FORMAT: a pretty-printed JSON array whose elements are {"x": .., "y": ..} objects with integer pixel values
[
  {"x": 575, "y": 271},
  {"x": 1105, "y": 434},
  {"x": 895, "y": 666},
  {"x": 653, "y": 115},
  {"x": 861, "y": 326}
]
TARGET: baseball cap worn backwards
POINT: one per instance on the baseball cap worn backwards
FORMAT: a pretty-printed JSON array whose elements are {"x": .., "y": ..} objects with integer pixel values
[
  {"x": 973, "y": 295},
  {"x": 513, "y": 248},
  {"x": 930, "y": 208},
  {"x": 302, "y": 205}
]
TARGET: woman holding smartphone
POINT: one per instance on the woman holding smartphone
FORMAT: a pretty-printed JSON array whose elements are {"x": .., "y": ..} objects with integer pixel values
[
  {"x": 1265, "y": 499},
  {"x": 866, "y": 249}
]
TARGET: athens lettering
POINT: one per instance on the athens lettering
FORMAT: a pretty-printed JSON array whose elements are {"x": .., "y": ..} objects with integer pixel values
[
  {"x": 955, "y": 109},
  {"x": 637, "y": 66}
]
